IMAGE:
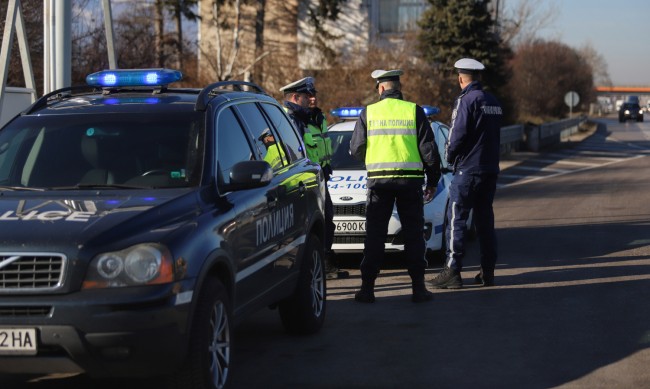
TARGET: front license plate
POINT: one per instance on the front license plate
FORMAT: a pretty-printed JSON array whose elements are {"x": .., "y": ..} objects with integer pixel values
[
  {"x": 347, "y": 227},
  {"x": 17, "y": 341}
]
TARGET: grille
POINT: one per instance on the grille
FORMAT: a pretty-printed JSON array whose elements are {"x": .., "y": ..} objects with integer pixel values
[
  {"x": 350, "y": 210},
  {"x": 31, "y": 272},
  {"x": 25, "y": 311}
]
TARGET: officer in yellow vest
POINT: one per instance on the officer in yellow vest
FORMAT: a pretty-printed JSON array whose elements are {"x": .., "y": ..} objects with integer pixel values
[
  {"x": 300, "y": 103},
  {"x": 274, "y": 154},
  {"x": 394, "y": 138}
]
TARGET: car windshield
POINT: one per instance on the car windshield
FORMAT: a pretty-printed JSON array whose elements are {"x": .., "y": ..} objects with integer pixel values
[
  {"x": 107, "y": 150},
  {"x": 341, "y": 158}
]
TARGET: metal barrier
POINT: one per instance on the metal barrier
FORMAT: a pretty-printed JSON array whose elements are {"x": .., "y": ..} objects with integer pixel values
[{"x": 535, "y": 138}]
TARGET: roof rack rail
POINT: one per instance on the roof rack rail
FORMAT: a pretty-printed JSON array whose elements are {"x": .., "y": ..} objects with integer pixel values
[
  {"x": 42, "y": 102},
  {"x": 238, "y": 86}
]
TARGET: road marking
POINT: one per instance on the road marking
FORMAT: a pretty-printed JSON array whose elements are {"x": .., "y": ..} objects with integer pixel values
[{"x": 533, "y": 179}]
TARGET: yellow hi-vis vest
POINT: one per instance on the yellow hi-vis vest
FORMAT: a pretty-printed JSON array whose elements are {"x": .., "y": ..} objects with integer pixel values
[
  {"x": 319, "y": 144},
  {"x": 392, "y": 141},
  {"x": 274, "y": 156}
]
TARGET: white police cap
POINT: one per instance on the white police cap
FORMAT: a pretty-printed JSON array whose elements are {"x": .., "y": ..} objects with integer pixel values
[
  {"x": 386, "y": 75},
  {"x": 305, "y": 85},
  {"x": 468, "y": 65}
]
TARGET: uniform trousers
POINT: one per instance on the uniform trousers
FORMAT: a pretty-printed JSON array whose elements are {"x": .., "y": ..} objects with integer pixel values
[
  {"x": 467, "y": 192},
  {"x": 379, "y": 208}
]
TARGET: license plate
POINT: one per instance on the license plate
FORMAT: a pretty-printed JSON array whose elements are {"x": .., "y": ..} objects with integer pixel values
[
  {"x": 14, "y": 341},
  {"x": 347, "y": 227}
]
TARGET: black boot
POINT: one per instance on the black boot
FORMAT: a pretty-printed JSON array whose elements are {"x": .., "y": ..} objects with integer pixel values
[
  {"x": 484, "y": 278},
  {"x": 367, "y": 292},
  {"x": 420, "y": 293}
]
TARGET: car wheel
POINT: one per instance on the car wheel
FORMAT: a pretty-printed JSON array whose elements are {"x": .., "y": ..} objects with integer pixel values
[
  {"x": 304, "y": 311},
  {"x": 208, "y": 362}
]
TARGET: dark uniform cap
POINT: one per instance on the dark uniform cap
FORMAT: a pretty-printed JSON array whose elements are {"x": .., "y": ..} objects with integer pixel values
[
  {"x": 305, "y": 85},
  {"x": 386, "y": 75},
  {"x": 468, "y": 65}
]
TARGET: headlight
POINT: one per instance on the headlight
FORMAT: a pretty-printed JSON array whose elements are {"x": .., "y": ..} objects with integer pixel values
[
  {"x": 143, "y": 264},
  {"x": 627, "y": 111}
]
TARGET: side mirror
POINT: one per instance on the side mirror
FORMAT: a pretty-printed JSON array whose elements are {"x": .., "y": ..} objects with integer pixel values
[{"x": 250, "y": 174}]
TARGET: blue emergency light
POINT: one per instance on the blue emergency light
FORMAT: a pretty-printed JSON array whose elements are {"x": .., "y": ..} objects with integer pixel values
[
  {"x": 133, "y": 77},
  {"x": 430, "y": 110},
  {"x": 346, "y": 112}
]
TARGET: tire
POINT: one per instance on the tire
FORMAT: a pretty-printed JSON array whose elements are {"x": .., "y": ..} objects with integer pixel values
[
  {"x": 304, "y": 311},
  {"x": 208, "y": 361}
]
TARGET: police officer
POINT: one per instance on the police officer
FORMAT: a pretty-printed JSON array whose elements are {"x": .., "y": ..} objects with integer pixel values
[
  {"x": 299, "y": 101},
  {"x": 274, "y": 154},
  {"x": 394, "y": 138},
  {"x": 473, "y": 150}
]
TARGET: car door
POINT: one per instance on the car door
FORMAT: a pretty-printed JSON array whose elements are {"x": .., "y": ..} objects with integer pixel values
[
  {"x": 252, "y": 252},
  {"x": 279, "y": 228}
]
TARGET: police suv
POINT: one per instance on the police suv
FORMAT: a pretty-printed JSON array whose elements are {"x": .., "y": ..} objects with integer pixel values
[
  {"x": 348, "y": 189},
  {"x": 139, "y": 223}
]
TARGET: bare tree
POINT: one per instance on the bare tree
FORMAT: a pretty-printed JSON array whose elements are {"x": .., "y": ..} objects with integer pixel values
[
  {"x": 522, "y": 24},
  {"x": 543, "y": 72},
  {"x": 597, "y": 63}
]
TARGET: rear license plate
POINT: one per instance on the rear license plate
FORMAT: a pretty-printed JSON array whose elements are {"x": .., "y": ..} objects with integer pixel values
[
  {"x": 350, "y": 227},
  {"x": 17, "y": 341}
]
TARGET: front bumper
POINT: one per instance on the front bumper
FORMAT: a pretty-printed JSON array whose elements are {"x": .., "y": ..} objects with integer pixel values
[{"x": 128, "y": 332}]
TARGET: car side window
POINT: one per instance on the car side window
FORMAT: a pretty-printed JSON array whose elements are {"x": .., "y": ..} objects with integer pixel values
[
  {"x": 268, "y": 145},
  {"x": 232, "y": 145},
  {"x": 287, "y": 132}
]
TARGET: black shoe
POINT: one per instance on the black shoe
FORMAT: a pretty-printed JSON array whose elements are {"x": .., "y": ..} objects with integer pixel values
[
  {"x": 484, "y": 279},
  {"x": 365, "y": 295},
  {"x": 421, "y": 294},
  {"x": 367, "y": 292},
  {"x": 447, "y": 279}
]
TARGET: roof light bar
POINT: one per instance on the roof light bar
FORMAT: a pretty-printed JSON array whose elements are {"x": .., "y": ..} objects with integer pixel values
[
  {"x": 347, "y": 112},
  {"x": 133, "y": 77},
  {"x": 430, "y": 110}
]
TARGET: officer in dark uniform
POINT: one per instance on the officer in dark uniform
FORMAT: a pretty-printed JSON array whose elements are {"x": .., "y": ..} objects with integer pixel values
[
  {"x": 394, "y": 138},
  {"x": 473, "y": 150},
  {"x": 299, "y": 96}
]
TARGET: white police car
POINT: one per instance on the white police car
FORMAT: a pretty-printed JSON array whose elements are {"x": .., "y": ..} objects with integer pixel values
[
  {"x": 347, "y": 188},
  {"x": 140, "y": 222}
]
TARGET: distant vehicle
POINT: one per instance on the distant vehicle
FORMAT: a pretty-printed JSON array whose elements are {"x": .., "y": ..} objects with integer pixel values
[{"x": 630, "y": 111}]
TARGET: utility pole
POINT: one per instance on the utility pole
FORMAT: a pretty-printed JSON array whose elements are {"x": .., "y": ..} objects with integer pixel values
[{"x": 57, "y": 40}]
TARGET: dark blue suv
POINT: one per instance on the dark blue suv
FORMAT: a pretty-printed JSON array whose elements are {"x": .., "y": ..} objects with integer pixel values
[{"x": 139, "y": 223}]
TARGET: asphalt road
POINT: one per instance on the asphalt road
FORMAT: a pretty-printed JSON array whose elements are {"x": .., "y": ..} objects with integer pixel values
[{"x": 570, "y": 308}]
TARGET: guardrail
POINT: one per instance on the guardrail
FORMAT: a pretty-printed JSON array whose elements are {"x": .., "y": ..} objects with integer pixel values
[{"x": 535, "y": 138}]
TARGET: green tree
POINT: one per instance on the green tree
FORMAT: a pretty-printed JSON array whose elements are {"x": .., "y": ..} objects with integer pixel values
[{"x": 454, "y": 29}]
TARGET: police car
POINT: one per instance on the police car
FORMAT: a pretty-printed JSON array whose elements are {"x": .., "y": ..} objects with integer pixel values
[
  {"x": 140, "y": 223},
  {"x": 347, "y": 188}
]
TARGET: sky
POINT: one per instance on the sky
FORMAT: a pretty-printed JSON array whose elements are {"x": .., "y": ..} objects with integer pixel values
[{"x": 619, "y": 30}]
